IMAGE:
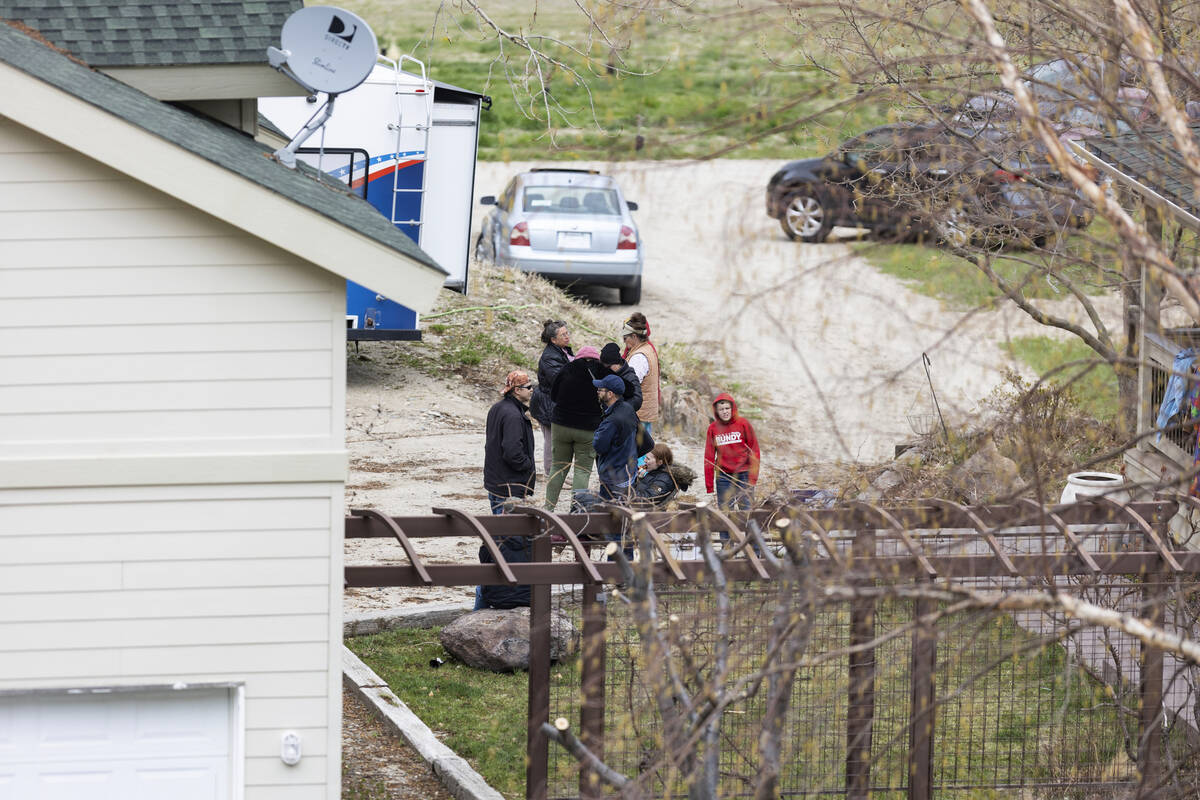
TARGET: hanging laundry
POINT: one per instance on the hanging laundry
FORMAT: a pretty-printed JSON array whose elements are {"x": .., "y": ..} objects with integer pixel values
[
  {"x": 1192, "y": 416},
  {"x": 1178, "y": 386}
]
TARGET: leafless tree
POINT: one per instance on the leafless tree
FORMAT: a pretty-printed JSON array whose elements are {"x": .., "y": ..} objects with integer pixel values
[{"x": 1042, "y": 72}]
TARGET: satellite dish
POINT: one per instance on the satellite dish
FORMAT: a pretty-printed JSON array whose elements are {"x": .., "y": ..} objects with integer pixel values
[
  {"x": 324, "y": 49},
  {"x": 329, "y": 49}
]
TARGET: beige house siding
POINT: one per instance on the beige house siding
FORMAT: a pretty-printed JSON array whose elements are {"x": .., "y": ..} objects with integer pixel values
[
  {"x": 140, "y": 337},
  {"x": 132, "y": 323}
]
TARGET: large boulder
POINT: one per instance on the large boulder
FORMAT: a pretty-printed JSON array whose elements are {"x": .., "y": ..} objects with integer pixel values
[
  {"x": 499, "y": 640},
  {"x": 987, "y": 475},
  {"x": 685, "y": 410}
]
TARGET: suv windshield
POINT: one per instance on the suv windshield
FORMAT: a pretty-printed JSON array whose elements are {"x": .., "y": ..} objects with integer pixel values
[{"x": 570, "y": 200}]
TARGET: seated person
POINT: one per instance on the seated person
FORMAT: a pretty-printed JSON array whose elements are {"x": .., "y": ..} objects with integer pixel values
[{"x": 659, "y": 484}]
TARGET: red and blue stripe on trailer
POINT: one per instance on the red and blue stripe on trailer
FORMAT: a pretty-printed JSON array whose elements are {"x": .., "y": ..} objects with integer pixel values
[{"x": 386, "y": 319}]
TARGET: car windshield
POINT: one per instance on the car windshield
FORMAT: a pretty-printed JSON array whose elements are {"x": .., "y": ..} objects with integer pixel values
[{"x": 570, "y": 200}]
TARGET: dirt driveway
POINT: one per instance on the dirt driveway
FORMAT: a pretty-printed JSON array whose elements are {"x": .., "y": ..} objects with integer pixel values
[
  {"x": 828, "y": 340},
  {"x": 831, "y": 343}
]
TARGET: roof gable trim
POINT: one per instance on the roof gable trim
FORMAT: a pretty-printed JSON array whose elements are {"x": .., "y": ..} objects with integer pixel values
[{"x": 215, "y": 190}]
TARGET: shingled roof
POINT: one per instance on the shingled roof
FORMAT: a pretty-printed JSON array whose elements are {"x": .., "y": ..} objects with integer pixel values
[
  {"x": 212, "y": 141},
  {"x": 132, "y": 33},
  {"x": 1152, "y": 161}
]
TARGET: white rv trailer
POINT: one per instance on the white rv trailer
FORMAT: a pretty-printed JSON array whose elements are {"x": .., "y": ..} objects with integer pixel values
[{"x": 408, "y": 144}]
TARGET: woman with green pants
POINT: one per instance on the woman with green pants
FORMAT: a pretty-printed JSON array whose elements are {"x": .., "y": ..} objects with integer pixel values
[{"x": 575, "y": 418}]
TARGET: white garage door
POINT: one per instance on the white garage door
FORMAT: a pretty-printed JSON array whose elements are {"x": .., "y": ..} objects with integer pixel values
[{"x": 173, "y": 745}]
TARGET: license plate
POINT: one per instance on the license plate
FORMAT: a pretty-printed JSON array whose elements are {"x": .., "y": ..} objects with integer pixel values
[{"x": 573, "y": 240}]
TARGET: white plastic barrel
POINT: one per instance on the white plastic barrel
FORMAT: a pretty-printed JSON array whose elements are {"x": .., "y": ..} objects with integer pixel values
[
  {"x": 1090, "y": 484},
  {"x": 1081, "y": 485}
]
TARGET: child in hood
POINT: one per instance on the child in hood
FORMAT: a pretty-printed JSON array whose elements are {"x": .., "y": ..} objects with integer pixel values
[{"x": 731, "y": 456}]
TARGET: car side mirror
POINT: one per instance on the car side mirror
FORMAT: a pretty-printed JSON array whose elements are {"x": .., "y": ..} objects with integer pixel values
[
  {"x": 487, "y": 200},
  {"x": 632, "y": 205}
]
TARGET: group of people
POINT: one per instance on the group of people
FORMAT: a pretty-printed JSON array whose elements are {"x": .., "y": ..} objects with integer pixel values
[
  {"x": 596, "y": 408},
  {"x": 600, "y": 407}
]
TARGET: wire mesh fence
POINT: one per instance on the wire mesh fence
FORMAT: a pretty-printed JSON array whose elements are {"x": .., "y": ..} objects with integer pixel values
[
  {"x": 1006, "y": 651},
  {"x": 1020, "y": 703},
  {"x": 1025, "y": 703}
]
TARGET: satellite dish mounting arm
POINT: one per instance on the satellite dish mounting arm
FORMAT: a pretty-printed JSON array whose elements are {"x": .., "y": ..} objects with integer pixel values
[
  {"x": 278, "y": 59},
  {"x": 325, "y": 49},
  {"x": 287, "y": 155}
]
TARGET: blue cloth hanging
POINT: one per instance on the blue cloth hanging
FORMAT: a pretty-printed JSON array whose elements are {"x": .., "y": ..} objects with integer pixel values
[{"x": 1177, "y": 387}]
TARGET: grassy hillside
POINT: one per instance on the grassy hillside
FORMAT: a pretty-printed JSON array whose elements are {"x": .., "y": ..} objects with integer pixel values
[{"x": 683, "y": 88}]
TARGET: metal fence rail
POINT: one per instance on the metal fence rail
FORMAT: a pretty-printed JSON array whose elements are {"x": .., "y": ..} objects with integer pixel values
[{"x": 899, "y": 695}]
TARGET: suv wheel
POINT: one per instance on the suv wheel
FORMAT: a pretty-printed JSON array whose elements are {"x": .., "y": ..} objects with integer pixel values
[{"x": 806, "y": 216}]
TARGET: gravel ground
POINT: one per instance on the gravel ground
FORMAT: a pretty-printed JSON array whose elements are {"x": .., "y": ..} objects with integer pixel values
[{"x": 377, "y": 765}]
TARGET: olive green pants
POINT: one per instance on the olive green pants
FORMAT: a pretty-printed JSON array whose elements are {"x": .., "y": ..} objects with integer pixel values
[{"x": 569, "y": 446}]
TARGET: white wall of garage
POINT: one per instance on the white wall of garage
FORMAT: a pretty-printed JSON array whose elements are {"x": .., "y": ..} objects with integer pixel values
[{"x": 171, "y": 447}]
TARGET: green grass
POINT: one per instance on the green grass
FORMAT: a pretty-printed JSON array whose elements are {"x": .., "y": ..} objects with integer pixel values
[
  {"x": 1004, "y": 699},
  {"x": 1088, "y": 259},
  {"x": 961, "y": 285},
  {"x": 1092, "y": 382},
  {"x": 479, "y": 715},
  {"x": 689, "y": 89},
  {"x": 473, "y": 347},
  {"x": 933, "y": 272}
]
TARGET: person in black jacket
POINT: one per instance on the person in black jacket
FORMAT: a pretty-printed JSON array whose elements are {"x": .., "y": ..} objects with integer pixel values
[
  {"x": 557, "y": 355},
  {"x": 508, "y": 467},
  {"x": 610, "y": 357},
  {"x": 574, "y": 419},
  {"x": 657, "y": 485},
  {"x": 508, "y": 471}
]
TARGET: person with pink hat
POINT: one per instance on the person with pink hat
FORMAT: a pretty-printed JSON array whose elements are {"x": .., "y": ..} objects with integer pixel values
[{"x": 574, "y": 420}]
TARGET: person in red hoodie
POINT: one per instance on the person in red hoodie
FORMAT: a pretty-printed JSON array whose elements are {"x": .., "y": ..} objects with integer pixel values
[{"x": 731, "y": 456}]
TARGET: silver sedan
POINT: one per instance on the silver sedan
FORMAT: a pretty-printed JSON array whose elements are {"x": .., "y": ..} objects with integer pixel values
[{"x": 571, "y": 226}]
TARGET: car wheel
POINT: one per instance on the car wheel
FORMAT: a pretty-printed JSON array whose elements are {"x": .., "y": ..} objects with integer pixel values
[
  {"x": 954, "y": 228},
  {"x": 806, "y": 216},
  {"x": 632, "y": 295}
]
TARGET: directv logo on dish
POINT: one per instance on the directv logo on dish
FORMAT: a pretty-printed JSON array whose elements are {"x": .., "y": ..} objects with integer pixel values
[{"x": 337, "y": 33}]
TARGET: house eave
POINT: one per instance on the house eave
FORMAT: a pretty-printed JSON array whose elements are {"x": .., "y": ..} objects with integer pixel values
[{"x": 206, "y": 81}]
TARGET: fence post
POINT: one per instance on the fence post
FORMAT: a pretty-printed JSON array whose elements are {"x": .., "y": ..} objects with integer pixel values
[
  {"x": 860, "y": 707},
  {"x": 538, "y": 753},
  {"x": 1150, "y": 715},
  {"x": 921, "y": 710},
  {"x": 591, "y": 713}
]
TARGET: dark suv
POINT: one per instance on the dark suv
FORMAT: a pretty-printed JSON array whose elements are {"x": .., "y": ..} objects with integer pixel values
[{"x": 960, "y": 185}]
